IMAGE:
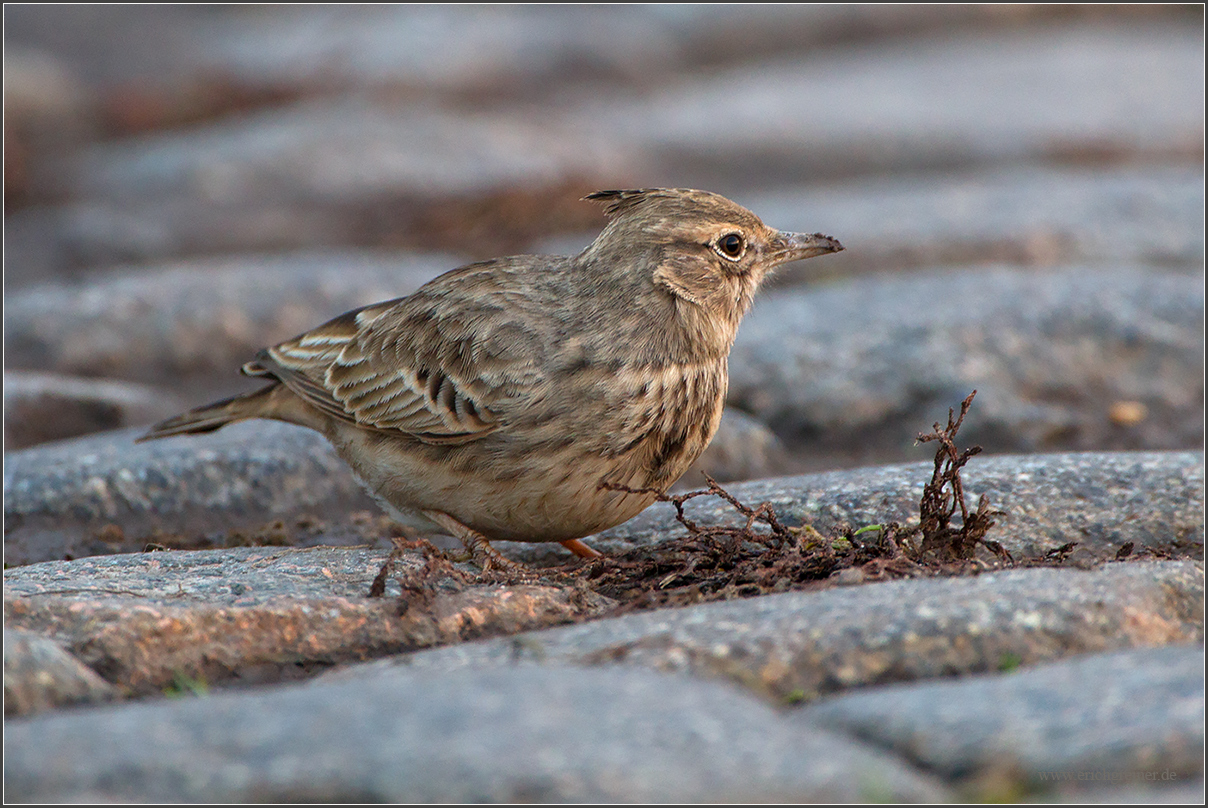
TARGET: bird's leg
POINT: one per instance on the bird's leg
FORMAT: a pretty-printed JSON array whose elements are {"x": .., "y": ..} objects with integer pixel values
[
  {"x": 580, "y": 549},
  {"x": 480, "y": 550}
]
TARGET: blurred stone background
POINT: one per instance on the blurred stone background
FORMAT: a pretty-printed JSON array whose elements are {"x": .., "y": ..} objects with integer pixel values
[{"x": 1019, "y": 188}]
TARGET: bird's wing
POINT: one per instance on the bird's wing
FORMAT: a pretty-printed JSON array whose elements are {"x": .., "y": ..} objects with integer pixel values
[{"x": 442, "y": 365}]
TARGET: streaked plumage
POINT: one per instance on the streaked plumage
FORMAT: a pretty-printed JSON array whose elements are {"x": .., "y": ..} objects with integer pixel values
[{"x": 493, "y": 401}]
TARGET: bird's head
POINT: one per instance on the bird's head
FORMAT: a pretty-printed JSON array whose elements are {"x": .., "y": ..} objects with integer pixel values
[{"x": 707, "y": 252}]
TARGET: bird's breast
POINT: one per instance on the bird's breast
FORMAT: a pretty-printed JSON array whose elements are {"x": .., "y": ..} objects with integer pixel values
[{"x": 669, "y": 416}]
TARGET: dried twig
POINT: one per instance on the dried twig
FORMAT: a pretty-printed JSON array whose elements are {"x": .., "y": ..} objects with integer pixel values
[{"x": 945, "y": 492}]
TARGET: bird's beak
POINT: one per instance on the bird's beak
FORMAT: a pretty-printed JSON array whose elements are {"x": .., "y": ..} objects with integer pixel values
[{"x": 788, "y": 247}]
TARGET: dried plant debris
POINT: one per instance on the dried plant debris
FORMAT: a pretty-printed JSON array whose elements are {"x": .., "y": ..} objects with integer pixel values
[
  {"x": 721, "y": 563},
  {"x": 765, "y": 555},
  {"x": 419, "y": 584},
  {"x": 945, "y": 493}
]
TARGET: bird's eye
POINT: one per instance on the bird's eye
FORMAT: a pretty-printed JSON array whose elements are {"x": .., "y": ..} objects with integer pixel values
[{"x": 730, "y": 246}]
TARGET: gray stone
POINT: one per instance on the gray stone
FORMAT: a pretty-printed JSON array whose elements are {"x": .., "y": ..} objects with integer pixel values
[
  {"x": 511, "y": 49},
  {"x": 105, "y": 494},
  {"x": 522, "y": 734},
  {"x": 193, "y": 323},
  {"x": 1071, "y": 94},
  {"x": 798, "y": 646},
  {"x": 1044, "y": 216},
  {"x": 41, "y": 91},
  {"x": 1100, "y": 500},
  {"x": 46, "y": 112},
  {"x": 353, "y": 170},
  {"x": 113, "y": 44},
  {"x": 40, "y": 675},
  {"x": 323, "y": 173},
  {"x": 1131, "y": 718},
  {"x": 449, "y": 49},
  {"x": 507, "y": 49},
  {"x": 1072, "y": 359},
  {"x": 415, "y": 153},
  {"x": 248, "y": 615},
  {"x": 41, "y": 407}
]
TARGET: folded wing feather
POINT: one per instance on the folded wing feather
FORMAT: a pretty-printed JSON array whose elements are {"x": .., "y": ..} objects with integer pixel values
[{"x": 393, "y": 366}]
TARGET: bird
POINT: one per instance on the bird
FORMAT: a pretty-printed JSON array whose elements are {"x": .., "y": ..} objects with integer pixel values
[{"x": 532, "y": 398}]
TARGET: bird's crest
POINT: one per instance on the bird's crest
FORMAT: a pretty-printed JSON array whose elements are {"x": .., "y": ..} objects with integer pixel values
[
  {"x": 618, "y": 202},
  {"x": 671, "y": 204}
]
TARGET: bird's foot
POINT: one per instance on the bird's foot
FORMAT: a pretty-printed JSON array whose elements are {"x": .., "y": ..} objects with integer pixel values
[
  {"x": 491, "y": 560},
  {"x": 480, "y": 551}
]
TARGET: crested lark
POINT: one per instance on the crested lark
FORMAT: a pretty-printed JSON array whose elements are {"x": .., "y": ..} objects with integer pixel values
[{"x": 493, "y": 402}]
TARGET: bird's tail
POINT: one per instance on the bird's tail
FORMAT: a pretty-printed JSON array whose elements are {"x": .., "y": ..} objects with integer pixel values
[{"x": 215, "y": 416}]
